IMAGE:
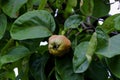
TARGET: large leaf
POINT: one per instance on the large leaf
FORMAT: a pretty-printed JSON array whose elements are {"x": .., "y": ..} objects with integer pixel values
[
  {"x": 114, "y": 65},
  {"x": 83, "y": 54},
  {"x": 97, "y": 71},
  {"x": 37, "y": 66},
  {"x": 86, "y": 7},
  {"x": 73, "y": 21},
  {"x": 64, "y": 70},
  {"x": 112, "y": 49},
  {"x": 3, "y": 25},
  {"x": 109, "y": 23},
  {"x": 14, "y": 55},
  {"x": 33, "y": 24},
  {"x": 80, "y": 62},
  {"x": 11, "y": 7},
  {"x": 100, "y": 8}
]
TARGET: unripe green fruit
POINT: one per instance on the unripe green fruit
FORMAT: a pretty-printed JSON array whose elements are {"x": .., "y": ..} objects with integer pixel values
[{"x": 58, "y": 45}]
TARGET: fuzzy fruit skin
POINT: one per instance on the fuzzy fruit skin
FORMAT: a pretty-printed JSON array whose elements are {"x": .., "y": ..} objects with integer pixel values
[{"x": 58, "y": 45}]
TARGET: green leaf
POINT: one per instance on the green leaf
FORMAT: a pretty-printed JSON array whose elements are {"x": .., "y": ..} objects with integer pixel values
[
  {"x": 86, "y": 7},
  {"x": 64, "y": 69},
  {"x": 114, "y": 65},
  {"x": 97, "y": 71},
  {"x": 102, "y": 39},
  {"x": 112, "y": 49},
  {"x": 14, "y": 55},
  {"x": 80, "y": 61},
  {"x": 33, "y": 24},
  {"x": 109, "y": 23},
  {"x": 37, "y": 66},
  {"x": 83, "y": 54},
  {"x": 11, "y": 7},
  {"x": 3, "y": 25},
  {"x": 100, "y": 8},
  {"x": 73, "y": 21},
  {"x": 117, "y": 23}
]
